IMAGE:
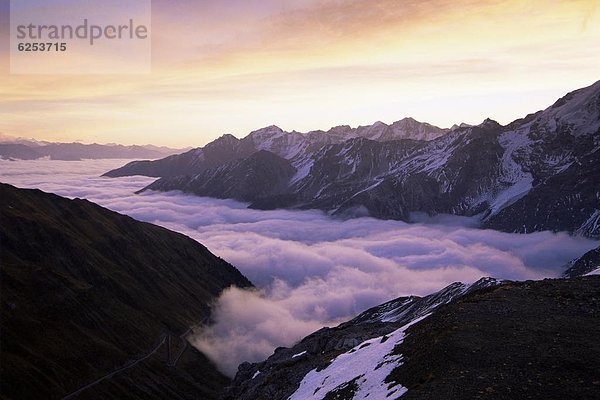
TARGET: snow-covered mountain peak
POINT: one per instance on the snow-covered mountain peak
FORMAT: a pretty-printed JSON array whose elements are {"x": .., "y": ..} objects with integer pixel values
[
  {"x": 377, "y": 131},
  {"x": 408, "y": 121},
  {"x": 340, "y": 129},
  {"x": 576, "y": 114},
  {"x": 406, "y": 128},
  {"x": 264, "y": 136},
  {"x": 268, "y": 131},
  {"x": 410, "y": 128},
  {"x": 276, "y": 140}
]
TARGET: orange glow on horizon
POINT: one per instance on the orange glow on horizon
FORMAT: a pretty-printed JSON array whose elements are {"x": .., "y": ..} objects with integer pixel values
[{"x": 314, "y": 64}]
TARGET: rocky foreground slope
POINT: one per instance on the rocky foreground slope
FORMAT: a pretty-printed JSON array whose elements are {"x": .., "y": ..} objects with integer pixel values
[
  {"x": 96, "y": 305},
  {"x": 540, "y": 172},
  {"x": 495, "y": 340}
]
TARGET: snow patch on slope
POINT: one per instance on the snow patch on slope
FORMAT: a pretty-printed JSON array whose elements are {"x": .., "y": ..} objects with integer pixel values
[
  {"x": 302, "y": 170},
  {"x": 394, "y": 312},
  {"x": 299, "y": 354},
  {"x": 594, "y": 272},
  {"x": 366, "y": 366},
  {"x": 519, "y": 182},
  {"x": 432, "y": 160},
  {"x": 580, "y": 108},
  {"x": 591, "y": 227}
]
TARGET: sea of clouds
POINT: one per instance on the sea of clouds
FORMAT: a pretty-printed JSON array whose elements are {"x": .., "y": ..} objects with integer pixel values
[{"x": 311, "y": 270}]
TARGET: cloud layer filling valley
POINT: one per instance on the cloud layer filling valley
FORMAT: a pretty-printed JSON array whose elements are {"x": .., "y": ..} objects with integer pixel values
[{"x": 311, "y": 270}]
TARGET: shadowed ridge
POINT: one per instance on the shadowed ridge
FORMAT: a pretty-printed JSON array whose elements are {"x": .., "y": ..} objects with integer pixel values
[{"x": 87, "y": 291}]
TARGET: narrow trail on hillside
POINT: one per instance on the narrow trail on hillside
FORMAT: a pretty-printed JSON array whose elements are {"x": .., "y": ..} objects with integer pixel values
[{"x": 162, "y": 339}]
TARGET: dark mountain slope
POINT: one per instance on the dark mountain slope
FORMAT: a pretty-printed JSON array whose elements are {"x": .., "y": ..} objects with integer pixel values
[
  {"x": 262, "y": 174},
  {"x": 449, "y": 175},
  {"x": 221, "y": 151},
  {"x": 86, "y": 291},
  {"x": 569, "y": 201},
  {"x": 176, "y": 164},
  {"x": 529, "y": 340}
]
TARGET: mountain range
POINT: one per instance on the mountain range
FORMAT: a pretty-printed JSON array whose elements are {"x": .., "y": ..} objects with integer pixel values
[
  {"x": 29, "y": 149},
  {"x": 540, "y": 172}
]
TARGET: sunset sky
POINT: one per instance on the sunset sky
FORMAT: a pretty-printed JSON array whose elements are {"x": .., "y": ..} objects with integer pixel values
[{"x": 232, "y": 66}]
